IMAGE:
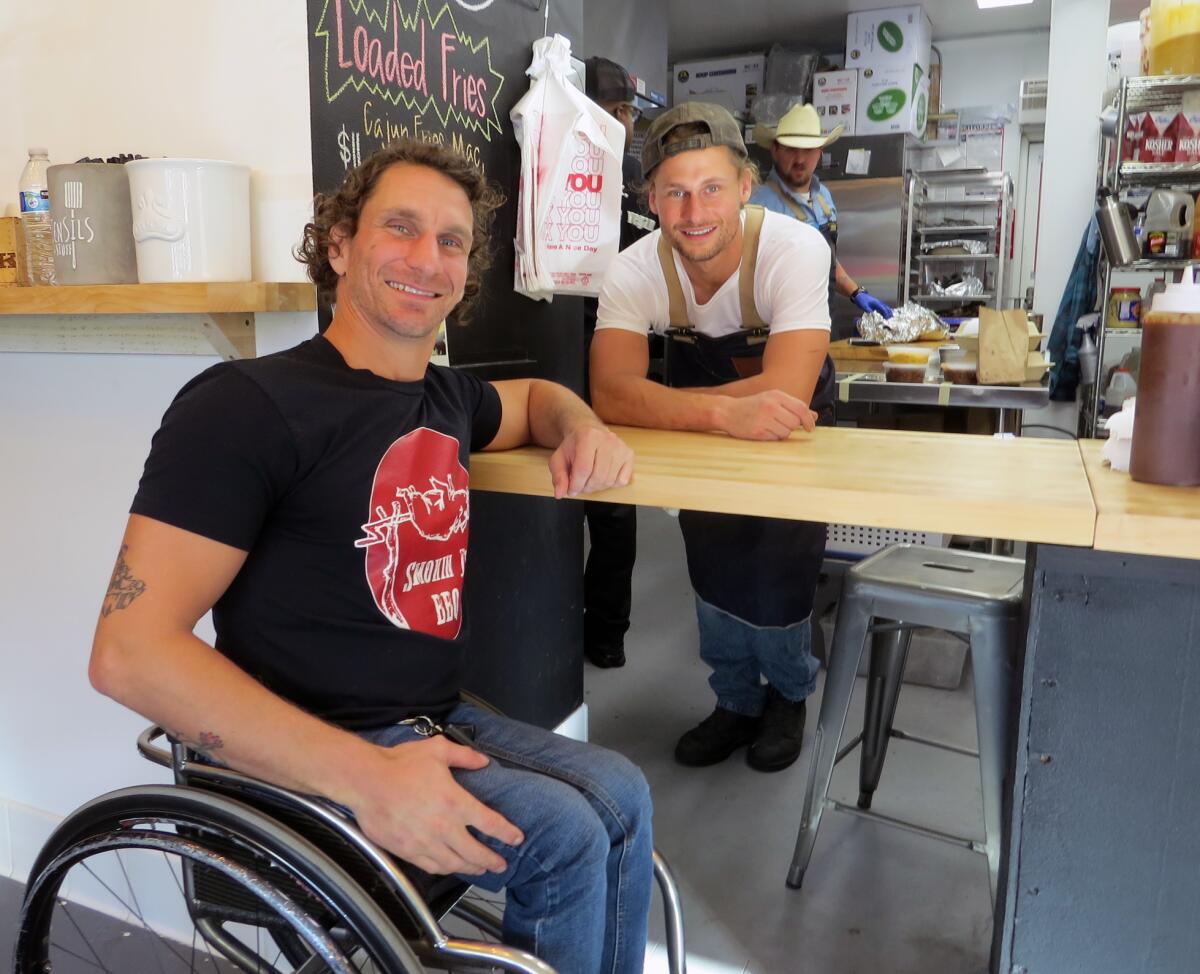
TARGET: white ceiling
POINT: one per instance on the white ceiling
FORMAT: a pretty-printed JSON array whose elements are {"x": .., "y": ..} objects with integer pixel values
[{"x": 700, "y": 28}]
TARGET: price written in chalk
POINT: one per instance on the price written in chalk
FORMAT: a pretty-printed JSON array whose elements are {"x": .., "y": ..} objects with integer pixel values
[{"x": 349, "y": 148}]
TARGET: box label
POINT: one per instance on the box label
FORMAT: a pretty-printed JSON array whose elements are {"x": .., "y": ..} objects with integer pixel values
[
  {"x": 887, "y": 104},
  {"x": 891, "y": 37}
]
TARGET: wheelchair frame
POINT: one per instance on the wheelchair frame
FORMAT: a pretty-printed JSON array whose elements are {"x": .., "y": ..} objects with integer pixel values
[{"x": 368, "y": 891}]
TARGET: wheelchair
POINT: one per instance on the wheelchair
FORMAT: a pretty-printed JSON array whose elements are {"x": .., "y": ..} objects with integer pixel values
[{"x": 222, "y": 872}]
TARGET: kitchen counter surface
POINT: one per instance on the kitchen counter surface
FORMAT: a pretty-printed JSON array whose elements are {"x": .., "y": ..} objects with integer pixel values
[
  {"x": 1144, "y": 519},
  {"x": 1019, "y": 489}
]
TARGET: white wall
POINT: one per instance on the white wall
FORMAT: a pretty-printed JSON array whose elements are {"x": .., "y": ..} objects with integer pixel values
[
  {"x": 219, "y": 79},
  {"x": 986, "y": 71},
  {"x": 1078, "y": 33}
]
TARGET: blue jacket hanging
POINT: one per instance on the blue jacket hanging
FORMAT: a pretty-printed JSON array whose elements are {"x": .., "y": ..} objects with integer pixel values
[{"x": 1079, "y": 298}]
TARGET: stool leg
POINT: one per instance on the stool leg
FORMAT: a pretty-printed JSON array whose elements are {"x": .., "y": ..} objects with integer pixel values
[
  {"x": 889, "y": 650},
  {"x": 850, "y": 634},
  {"x": 993, "y": 645}
]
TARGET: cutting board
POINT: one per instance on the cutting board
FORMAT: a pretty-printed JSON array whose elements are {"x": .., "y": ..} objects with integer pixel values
[{"x": 843, "y": 351}]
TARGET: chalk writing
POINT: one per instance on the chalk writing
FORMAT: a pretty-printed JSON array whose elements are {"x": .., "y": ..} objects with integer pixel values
[{"x": 408, "y": 56}]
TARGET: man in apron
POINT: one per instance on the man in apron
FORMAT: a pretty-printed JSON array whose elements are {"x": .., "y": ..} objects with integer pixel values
[
  {"x": 742, "y": 296},
  {"x": 793, "y": 189}
]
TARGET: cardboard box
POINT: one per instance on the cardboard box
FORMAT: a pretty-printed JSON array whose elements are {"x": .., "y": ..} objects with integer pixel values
[
  {"x": 835, "y": 97},
  {"x": 1158, "y": 143},
  {"x": 892, "y": 100},
  {"x": 732, "y": 82},
  {"x": 889, "y": 38},
  {"x": 1007, "y": 340},
  {"x": 12, "y": 251},
  {"x": 1184, "y": 132}
]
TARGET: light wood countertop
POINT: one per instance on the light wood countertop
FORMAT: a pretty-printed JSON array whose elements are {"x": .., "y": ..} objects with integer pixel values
[
  {"x": 1022, "y": 489},
  {"x": 1144, "y": 519}
]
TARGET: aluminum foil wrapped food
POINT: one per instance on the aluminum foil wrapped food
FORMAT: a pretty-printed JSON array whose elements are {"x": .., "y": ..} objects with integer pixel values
[
  {"x": 969, "y": 286},
  {"x": 974, "y": 247},
  {"x": 908, "y": 323}
]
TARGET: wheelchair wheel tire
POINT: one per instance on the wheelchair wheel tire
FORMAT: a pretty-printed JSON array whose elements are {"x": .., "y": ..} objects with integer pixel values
[{"x": 180, "y": 879}]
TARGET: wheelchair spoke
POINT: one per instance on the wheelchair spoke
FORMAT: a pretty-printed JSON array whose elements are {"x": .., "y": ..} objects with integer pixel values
[{"x": 87, "y": 943}]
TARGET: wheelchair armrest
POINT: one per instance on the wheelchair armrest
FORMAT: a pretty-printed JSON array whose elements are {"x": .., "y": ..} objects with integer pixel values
[{"x": 159, "y": 755}]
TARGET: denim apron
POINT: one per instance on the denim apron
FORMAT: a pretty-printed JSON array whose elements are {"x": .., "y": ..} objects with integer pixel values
[
  {"x": 828, "y": 229},
  {"x": 759, "y": 569}
]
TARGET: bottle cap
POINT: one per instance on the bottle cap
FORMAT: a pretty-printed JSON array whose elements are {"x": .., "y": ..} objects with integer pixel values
[
  {"x": 38, "y": 152},
  {"x": 1181, "y": 298}
]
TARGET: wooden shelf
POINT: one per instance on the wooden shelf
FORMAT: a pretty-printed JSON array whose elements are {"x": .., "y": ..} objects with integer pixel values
[
  {"x": 173, "y": 319},
  {"x": 111, "y": 299}
]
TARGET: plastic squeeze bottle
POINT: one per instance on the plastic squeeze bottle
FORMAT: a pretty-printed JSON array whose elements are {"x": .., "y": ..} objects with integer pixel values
[{"x": 1166, "y": 424}]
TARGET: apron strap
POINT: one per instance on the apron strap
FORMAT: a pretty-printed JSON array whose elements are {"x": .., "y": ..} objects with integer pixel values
[
  {"x": 796, "y": 208},
  {"x": 751, "y": 232},
  {"x": 675, "y": 302}
]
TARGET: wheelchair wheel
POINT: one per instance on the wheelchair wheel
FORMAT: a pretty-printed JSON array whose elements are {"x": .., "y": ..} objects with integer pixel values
[{"x": 173, "y": 879}]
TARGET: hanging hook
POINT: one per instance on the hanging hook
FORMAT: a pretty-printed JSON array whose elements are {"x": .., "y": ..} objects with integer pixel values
[{"x": 546, "y": 22}]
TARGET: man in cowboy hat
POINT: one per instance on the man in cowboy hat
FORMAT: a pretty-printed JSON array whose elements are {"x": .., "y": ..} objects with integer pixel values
[
  {"x": 793, "y": 189},
  {"x": 742, "y": 296}
]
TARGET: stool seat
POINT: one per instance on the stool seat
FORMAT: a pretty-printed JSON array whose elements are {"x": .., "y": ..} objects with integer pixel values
[
  {"x": 886, "y": 596},
  {"x": 944, "y": 572}
]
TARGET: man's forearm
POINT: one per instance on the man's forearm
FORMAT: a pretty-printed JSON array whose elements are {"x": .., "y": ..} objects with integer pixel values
[
  {"x": 554, "y": 411},
  {"x": 193, "y": 691},
  {"x": 631, "y": 400},
  {"x": 845, "y": 284}
]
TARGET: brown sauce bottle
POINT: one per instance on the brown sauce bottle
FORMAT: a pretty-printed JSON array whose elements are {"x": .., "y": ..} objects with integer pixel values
[{"x": 1166, "y": 424}]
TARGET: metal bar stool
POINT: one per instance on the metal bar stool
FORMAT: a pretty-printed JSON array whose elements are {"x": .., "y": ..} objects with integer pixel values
[{"x": 978, "y": 596}]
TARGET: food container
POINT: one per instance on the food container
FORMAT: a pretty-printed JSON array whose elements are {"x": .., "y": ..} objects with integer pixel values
[
  {"x": 964, "y": 373},
  {"x": 191, "y": 219},
  {"x": 904, "y": 371},
  {"x": 908, "y": 355},
  {"x": 93, "y": 234},
  {"x": 1124, "y": 307}
]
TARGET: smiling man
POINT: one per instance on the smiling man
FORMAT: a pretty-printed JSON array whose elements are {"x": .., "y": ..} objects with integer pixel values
[
  {"x": 742, "y": 297},
  {"x": 317, "y": 501}
]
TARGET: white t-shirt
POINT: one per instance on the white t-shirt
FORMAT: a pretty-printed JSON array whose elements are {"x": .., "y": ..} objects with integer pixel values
[{"x": 791, "y": 286}]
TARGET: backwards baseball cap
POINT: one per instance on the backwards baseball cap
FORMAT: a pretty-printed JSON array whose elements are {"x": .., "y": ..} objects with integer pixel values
[
  {"x": 722, "y": 130},
  {"x": 605, "y": 80}
]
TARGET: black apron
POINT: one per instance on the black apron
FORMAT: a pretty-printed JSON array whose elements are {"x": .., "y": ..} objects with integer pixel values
[{"x": 761, "y": 569}]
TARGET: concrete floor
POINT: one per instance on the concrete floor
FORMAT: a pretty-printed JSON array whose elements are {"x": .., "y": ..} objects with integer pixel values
[{"x": 875, "y": 899}]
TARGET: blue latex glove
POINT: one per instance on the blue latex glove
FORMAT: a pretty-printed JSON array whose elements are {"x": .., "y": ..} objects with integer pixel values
[{"x": 868, "y": 302}]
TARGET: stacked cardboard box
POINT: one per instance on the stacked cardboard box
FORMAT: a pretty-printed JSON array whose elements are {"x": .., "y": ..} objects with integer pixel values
[
  {"x": 732, "y": 82},
  {"x": 12, "y": 251},
  {"x": 890, "y": 48},
  {"x": 835, "y": 97}
]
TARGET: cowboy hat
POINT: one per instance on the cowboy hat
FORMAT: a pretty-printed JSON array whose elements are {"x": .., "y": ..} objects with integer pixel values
[{"x": 800, "y": 128}]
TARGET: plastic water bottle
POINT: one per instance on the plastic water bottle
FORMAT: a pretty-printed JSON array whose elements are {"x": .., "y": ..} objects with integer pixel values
[{"x": 35, "y": 218}]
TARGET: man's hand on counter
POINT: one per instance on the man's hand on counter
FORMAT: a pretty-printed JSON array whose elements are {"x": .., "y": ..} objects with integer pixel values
[
  {"x": 769, "y": 415},
  {"x": 591, "y": 457}
]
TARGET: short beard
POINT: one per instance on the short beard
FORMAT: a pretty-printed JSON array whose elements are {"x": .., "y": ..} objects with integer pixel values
[{"x": 715, "y": 250}]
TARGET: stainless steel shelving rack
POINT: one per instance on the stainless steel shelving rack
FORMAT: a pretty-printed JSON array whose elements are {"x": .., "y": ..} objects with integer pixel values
[
  {"x": 986, "y": 201},
  {"x": 1137, "y": 95}
]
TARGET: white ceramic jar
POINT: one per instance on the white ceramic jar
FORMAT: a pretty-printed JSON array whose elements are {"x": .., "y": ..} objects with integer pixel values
[{"x": 191, "y": 220}]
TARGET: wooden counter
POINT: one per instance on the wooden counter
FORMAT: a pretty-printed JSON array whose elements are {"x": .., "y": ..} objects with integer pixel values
[
  {"x": 1023, "y": 489},
  {"x": 1143, "y": 519}
]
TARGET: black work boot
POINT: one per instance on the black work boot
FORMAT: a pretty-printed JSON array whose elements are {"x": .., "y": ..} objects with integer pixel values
[
  {"x": 715, "y": 738},
  {"x": 780, "y": 736}
]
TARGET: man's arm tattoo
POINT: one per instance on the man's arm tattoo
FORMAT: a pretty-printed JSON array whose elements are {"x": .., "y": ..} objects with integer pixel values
[
  {"x": 123, "y": 588},
  {"x": 205, "y": 743}
]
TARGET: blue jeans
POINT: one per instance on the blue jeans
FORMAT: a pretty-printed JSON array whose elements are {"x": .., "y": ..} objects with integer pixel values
[
  {"x": 578, "y": 887},
  {"x": 739, "y": 651}
]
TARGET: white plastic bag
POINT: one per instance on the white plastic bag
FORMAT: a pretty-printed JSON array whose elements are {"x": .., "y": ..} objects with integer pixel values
[{"x": 569, "y": 213}]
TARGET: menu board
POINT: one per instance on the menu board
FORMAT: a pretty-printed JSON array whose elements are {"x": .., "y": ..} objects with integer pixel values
[{"x": 447, "y": 71}]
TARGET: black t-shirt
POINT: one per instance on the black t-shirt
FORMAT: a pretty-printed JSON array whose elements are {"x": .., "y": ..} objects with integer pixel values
[{"x": 349, "y": 491}]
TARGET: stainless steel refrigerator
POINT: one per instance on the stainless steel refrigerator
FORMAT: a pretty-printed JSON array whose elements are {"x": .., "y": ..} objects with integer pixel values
[{"x": 871, "y": 211}]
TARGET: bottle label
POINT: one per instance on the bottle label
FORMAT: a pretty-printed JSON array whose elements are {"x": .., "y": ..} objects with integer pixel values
[{"x": 35, "y": 201}]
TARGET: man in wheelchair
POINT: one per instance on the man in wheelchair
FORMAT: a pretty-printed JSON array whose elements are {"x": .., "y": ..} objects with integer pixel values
[{"x": 316, "y": 500}]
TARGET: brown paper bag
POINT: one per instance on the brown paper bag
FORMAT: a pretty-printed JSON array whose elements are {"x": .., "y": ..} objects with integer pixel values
[{"x": 1004, "y": 342}]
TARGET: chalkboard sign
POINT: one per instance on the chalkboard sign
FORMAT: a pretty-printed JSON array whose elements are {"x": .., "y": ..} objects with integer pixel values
[{"x": 448, "y": 71}]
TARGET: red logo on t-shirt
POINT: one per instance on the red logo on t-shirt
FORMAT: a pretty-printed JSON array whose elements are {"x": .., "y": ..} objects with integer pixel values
[{"x": 416, "y": 537}]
